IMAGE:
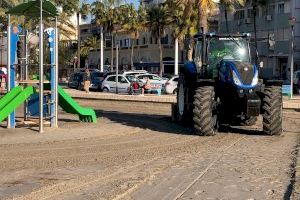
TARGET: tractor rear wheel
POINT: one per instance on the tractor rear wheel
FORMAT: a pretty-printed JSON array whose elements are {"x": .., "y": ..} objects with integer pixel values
[
  {"x": 205, "y": 116},
  {"x": 272, "y": 110}
]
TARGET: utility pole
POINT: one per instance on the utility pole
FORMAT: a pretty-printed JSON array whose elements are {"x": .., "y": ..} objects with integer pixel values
[
  {"x": 78, "y": 40},
  {"x": 117, "y": 67},
  {"x": 292, "y": 22},
  {"x": 101, "y": 47}
]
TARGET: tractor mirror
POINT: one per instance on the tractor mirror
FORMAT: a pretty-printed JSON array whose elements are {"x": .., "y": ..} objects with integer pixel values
[{"x": 261, "y": 64}]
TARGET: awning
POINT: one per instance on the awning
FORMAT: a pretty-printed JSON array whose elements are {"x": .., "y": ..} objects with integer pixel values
[{"x": 32, "y": 9}]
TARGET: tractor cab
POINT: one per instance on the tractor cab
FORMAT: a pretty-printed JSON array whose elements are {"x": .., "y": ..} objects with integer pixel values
[{"x": 224, "y": 56}]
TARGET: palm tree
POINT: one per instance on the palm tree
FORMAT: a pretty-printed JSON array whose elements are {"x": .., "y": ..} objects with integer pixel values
[
  {"x": 158, "y": 19},
  {"x": 133, "y": 23},
  {"x": 107, "y": 15},
  {"x": 82, "y": 12},
  {"x": 203, "y": 8},
  {"x": 229, "y": 6},
  {"x": 88, "y": 45},
  {"x": 183, "y": 25}
]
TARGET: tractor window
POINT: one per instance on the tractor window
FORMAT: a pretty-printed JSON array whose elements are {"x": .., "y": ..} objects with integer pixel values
[{"x": 227, "y": 49}]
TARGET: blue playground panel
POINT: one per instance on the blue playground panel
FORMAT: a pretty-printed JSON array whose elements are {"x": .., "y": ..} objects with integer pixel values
[
  {"x": 33, "y": 106},
  {"x": 286, "y": 90}
]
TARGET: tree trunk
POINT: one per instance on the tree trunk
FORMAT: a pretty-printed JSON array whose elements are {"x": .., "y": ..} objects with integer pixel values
[
  {"x": 202, "y": 19},
  {"x": 78, "y": 40},
  {"x": 161, "y": 64},
  {"x": 131, "y": 55},
  {"x": 190, "y": 49},
  {"x": 226, "y": 19},
  {"x": 112, "y": 53}
]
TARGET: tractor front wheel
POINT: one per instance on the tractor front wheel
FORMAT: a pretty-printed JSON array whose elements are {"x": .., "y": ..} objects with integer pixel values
[
  {"x": 205, "y": 115},
  {"x": 272, "y": 110}
]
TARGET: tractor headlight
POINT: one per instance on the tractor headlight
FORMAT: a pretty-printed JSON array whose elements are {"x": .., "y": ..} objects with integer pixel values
[
  {"x": 255, "y": 79},
  {"x": 236, "y": 79}
]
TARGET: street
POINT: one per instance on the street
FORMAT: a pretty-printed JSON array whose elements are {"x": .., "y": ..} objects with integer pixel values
[{"x": 136, "y": 152}]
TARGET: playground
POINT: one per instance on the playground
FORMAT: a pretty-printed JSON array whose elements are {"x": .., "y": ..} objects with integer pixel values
[{"x": 38, "y": 92}]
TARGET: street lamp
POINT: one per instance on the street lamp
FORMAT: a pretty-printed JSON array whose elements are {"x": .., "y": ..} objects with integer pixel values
[{"x": 292, "y": 22}]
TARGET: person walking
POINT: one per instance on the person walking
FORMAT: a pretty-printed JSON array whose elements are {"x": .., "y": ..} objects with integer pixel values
[{"x": 87, "y": 81}]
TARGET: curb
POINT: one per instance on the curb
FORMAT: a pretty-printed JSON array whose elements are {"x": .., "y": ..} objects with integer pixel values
[{"x": 287, "y": 104}]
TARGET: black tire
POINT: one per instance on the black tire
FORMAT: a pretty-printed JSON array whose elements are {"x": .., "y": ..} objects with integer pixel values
[
  {"x": 174, "y": 112},
  {"x": 205, "y": 120},
  {"x": 272, "y": 110},
  {"x": 80, "y": 87},
  {"x": 249, "y": 121},
  {"x": 105, "y": 90},
  {"x": 175, "y": 91}
]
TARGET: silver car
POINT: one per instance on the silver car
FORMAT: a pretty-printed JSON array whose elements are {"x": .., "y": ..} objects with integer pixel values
[{"x": 110, "y": 84}]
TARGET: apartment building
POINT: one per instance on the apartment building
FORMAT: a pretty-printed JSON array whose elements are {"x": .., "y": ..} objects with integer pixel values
[
  {"x": 273, "y": 33},
  {"x": 145, "y": 53}
]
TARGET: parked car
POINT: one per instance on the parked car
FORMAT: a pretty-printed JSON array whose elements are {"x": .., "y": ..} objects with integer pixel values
[
  {"x": 154, "y": 79},
  {"x": 110, "y": 83},
  {"x": 76, "y": 80},
  {"x": 134, "y": 72},
  {"x": 171, "y": 85}
]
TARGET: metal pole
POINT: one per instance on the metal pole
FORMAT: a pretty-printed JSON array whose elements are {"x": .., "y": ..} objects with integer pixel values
[
  {"x": 8, "y": 63},
  {"x": 41, "y": 72},
  {"x": 78, "y": 40},
  {"x": 101, "y": 48},
  {"x": 292, "y": 61},
  {"x": 117, "y": 67},
  {"x": 26, "y": 55},
  {"x": 176, "y": 56},
  {"x": 26, "y": 73},
  {"x": 56, "y": 74},
  {"x": 1, "y": 47}
]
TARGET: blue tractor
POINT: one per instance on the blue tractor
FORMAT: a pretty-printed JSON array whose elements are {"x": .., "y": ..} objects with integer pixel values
[{"x": 222, "y": 86}]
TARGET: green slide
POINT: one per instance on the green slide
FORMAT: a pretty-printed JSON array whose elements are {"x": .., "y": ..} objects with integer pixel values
[
  {"x": 13, "y": 100},
  {"x": 70, "y": 106}
]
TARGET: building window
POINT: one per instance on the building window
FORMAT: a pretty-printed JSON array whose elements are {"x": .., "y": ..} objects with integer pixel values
[
  {"x": 120, "y": 42},
  {"x": 144, "y": 40},
  {"x": 137, "y": 42},
  {"x": 165, "y": 40},
  {"x": 236, "y": 15},
  {"x": 84, "y": 30},
  {"x": 242, "y": 14},
  {"x": 281, "y": 8},
  {"x": 272, "y": 9},
  {"x": 126, "y": 43},
  {"x": 250, "y": 13}
]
